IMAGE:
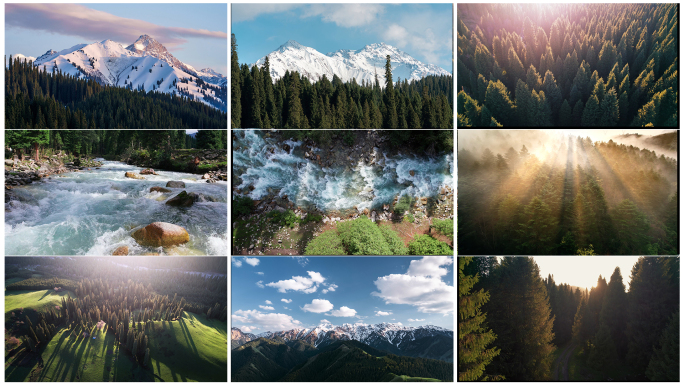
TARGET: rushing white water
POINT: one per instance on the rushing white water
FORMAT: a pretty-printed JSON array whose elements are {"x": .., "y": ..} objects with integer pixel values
[
  {"x": 339, "y": 187},
  {"x": 94, "y": 212}
]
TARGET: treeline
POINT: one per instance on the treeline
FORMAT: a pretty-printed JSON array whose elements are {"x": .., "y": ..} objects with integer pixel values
[
  {"x": 595, "y": 65},
  {"x": 581, "y": 198},
  {"x": 507, "y": 321},
  {"x": 112, "y": 142},
  {"x": 294, "y": 102},
  {"x": 38, "y": 99}
]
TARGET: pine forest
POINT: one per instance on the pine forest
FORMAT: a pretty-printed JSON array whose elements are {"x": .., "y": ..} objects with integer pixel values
[
  {"x": 295, "y": 102},
  {"x": 588, "y": 65},
  {"x": 37, "y": 98},
  {"x": 516, "y": 325},
  {"x": 549, "y": 193}
]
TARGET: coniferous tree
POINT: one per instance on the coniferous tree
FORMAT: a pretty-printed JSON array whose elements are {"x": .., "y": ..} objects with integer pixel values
[
  {"x": 473, "y": 338},
  {"x": 664, "y": 365},
  {"x": 613, "y": 314}
]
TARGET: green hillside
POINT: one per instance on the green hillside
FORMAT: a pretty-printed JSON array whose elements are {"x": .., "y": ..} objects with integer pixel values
[
  {"x": 268, "y": 360},
  {"x": 35, "y": 300}
]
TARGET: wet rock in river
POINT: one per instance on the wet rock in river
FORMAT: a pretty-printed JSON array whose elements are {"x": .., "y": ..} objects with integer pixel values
[
  {"x": 175, "y": 184},
  {"x": 160, "y": 234},
  {"x": 132, "y": 175}
]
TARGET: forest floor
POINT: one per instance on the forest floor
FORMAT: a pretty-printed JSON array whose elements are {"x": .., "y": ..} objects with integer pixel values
[{"x": 560, "y": 373}]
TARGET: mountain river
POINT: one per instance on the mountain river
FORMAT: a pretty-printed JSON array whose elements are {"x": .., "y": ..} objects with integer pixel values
[{"x": 94, "y": 212}]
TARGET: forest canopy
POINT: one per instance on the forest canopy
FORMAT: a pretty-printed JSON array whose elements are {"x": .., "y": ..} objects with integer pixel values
[
  {"x": 567, "y": 65},
  {"x": 572, "y": 196}
]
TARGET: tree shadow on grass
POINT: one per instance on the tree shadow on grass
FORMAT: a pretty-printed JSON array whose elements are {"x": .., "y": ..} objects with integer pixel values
[{"x": 307, "y": 234}]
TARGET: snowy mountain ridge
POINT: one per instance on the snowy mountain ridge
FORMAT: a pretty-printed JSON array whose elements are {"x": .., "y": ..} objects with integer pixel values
[
  {"x": 362, "y": 64},
  {"x": 144, "y": 65}
]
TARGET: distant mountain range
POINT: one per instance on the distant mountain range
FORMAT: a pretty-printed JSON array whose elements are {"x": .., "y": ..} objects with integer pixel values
[
  {"x": 348, "y": 360},
  {"x": 425, "y": 341},
  {"x": 145, "y": 64},
  {"x": 362, "y": 64}
]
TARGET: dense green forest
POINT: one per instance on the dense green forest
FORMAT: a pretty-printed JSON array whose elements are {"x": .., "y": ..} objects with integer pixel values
[
  {"x": 567, "y": 65},
  {"x": 112, "y": 142},
  {"x": 118, "y": 299},
  {"x": 41, "y": 99},
  {"x": 511, "y": 321},
  {"x": 580, "y": 197},
  {"x": 293, "y": 360},
  {"x": 294, "y": 102}
]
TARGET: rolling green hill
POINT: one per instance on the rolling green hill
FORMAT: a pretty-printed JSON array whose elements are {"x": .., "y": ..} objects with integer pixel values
[
  {"x": 36, "y": 300},
  {"x": 268, "y": 359}
]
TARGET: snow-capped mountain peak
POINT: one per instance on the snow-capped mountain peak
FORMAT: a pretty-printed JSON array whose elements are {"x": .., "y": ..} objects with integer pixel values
[
  {"x": 347, "y": 64},
  {"x": 144, "y": 65}
]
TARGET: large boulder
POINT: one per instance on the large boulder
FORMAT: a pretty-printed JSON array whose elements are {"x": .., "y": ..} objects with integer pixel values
[
  {"x": 160, "y": 234},
  {"x": 183, "y": 199},
  {"x": 148, "y": 171},
  {"x": 121, "y": 251},
  {"x": 132, "y": 175},
  {"x": 175, "y": 184},
  {"x": 159, "y": 189}
]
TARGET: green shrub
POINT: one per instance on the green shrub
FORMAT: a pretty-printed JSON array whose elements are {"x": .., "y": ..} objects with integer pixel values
[
  {"x": 327, "y": 243},
  {"x": 445, "y": 227},
  {"x": 284, "y": 219},
  {"x": 404, "y": 204},
  {"x": 242, "y": 205},
  {"x": 363, "y": 237},
  {"x": 409, "y": 217},
  {"x": 395, "y": 242},
  {"x": 348, "y": 138},
  {"x": 427, "y": 245},
  {"x": 311, "y": 217}
]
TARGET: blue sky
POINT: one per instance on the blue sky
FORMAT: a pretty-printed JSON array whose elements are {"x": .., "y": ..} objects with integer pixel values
[
  {"x": 282, "y": 293},
  {"x": 196, "y": 34},
  {"x": 425, "y": 31}
]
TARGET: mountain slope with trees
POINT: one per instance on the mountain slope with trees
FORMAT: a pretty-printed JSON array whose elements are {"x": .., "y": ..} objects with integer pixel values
[{"x": 567, "y": 65}]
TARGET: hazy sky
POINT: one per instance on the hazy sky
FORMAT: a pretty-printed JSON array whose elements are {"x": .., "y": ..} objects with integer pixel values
[
  {"x": 283, "y": 293},
  {"x": 196, "y": 34},
  {"x": 583, "y": 271},
  {"x": 424, "y": 31}
]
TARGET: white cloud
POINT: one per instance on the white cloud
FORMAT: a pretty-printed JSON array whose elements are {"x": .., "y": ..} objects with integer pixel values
[
  {"x": 301, "y": 260},
  {"x": 381, "y": 313},
  {"x": 237, "y": 263},
  {"x": 345, "y": 15},
  {"x": 253, "y": 261},
  {"x": 266, "y": 321},
  {"x": 424, "y": 289},
  {"x": 266, "y": 308},
  {"x": 260, "y": 273},
  {"x": 287, "y": 308},
  {"x": 247, "y": 329},
  {"x": 318, "y": 306},
  {"x": 244, "y": 12},
  {"x": 343, "y": 312},
  {"x": 299, "y": 283},
  {"x": 430, "y": 266},
  {"x": 396, "y": 34},
  {"x": 260, "y": 284},
  {"x": 268, "y": 302},
  {"x": 412, "y": 320},
  {"x": 330, "y": 288},
  {"x": 286, "y": 300}
]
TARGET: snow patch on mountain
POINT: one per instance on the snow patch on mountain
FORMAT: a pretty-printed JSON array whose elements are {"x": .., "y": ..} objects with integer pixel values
[{"x": 362, "y": 64}]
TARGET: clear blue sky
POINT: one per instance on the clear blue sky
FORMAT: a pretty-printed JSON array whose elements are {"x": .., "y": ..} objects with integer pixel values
[
  {"x": 196, "y": 34},
  {"x": 340, "y": 290},
  {"x": 425, "y": 31}
]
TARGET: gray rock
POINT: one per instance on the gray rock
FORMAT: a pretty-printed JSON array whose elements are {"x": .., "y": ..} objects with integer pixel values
[{"x": 175, "y": 184}]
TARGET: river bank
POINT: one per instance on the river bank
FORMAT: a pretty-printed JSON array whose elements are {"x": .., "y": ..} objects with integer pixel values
[{"x": 211, "y": 163}]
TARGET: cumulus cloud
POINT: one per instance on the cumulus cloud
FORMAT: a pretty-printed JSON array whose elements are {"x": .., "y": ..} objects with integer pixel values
[
  {"x": 343, "y": 312},
  {"x": 421, "y": 286},
  {"x": 236, "y": 263},
  {"x": 413, "y": 320},
  {"x": 260, "y": 273},
  {"x": 301, "y": 260},
  {"x": 268, "y": 302},
  {"x": 247, "y": 329},
  {"x": 260, "y": 284},
  {"x": 325, "y": 322},
  {"x": 382, "y": 313},
  {"x": 299, "y": 283},
  {"x": 318, "y": 306},
  {"x": 253, "y": 261},
  {"x": 266, "y": 308},
  {"x": 345, "y": 15},
  {"x": 94, "y": 25},
  {"x": 265, "y": 321},
  {"x": 397, "y": 34},
  {"x": 286, "y": 300}
]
